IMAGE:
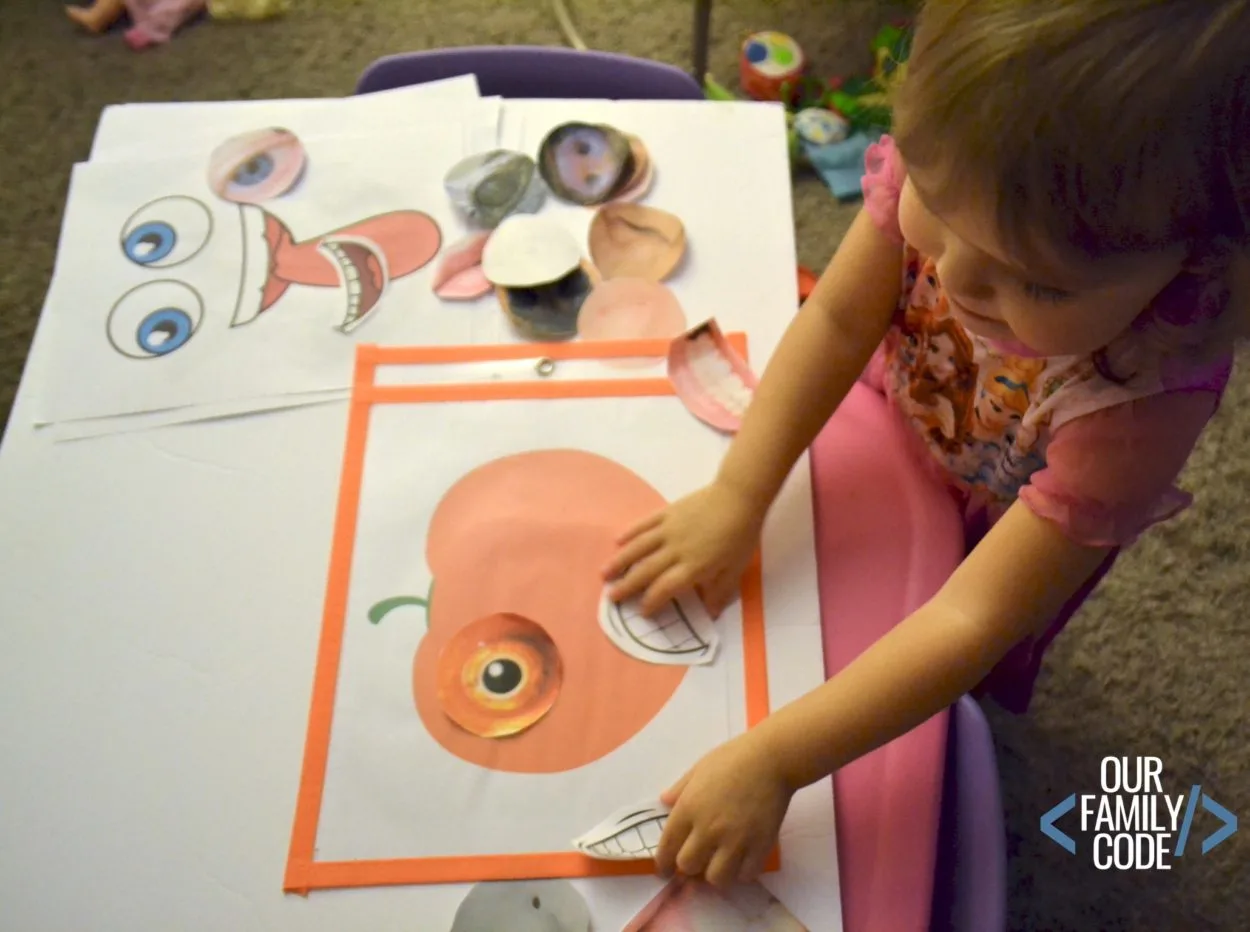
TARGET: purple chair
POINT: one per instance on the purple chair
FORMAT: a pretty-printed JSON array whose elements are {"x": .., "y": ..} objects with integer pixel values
[
  {"x": 970, "y": 889},
  {"x": 535, "y": 71}
]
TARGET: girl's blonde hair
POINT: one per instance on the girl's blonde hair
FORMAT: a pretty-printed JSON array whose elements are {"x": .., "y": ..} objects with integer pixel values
[{"x": 1095, "y": 126}]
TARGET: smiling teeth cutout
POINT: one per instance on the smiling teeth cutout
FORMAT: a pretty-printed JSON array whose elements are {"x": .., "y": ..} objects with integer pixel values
[
  {"x": 681, "y": 634},
  {"x": 629, "y": 834},
  {"x": 351, "y": 278}
]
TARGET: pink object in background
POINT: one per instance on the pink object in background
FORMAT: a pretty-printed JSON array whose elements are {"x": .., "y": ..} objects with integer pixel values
[
  {"x": 887, "y": 538},
  {"x": 155, "y": 21}
]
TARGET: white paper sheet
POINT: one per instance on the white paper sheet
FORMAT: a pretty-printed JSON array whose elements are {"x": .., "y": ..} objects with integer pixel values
[
  {"x": 221, "y": 262},
  {"x": 380, "y": 753},
  {"x": 129, "y": 130}
]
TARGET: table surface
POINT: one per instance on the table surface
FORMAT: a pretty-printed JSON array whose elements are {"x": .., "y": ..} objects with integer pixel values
[{"x": 163, "y": 592}]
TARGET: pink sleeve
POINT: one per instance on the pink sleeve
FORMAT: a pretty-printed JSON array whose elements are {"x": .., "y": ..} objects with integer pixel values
[
  {"x": 882, "y": 184},
  {"x": 1110, "y": 475}
]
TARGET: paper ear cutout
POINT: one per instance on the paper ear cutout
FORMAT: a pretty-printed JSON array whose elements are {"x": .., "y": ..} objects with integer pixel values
[
  {"x": 629, "y": 834},
  {"x": 682, "y": 634},
  {"x": 633, "y": 241},
  {"x": 711, "y": 379}
]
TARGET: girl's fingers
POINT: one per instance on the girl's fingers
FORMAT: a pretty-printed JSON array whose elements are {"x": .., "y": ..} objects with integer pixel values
[
  {"x": 641, "y": 546},
  {"x": 753, "y": 864},
  {"x": 670, "y": 796},
  {"x": 695, "y": 853},
  {"x": 641, "y": 575},
  {"x": 676, "y": 831},
  {"x": 646, "y": 524},
  {"x": 666, "y": 587},
  {"x": 722, "y": 871}
]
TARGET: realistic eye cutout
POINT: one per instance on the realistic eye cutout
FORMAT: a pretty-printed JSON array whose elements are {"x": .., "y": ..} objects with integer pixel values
[
  {"x": 499, "y": 675},
  {"x": 257, "y": 166},
  {"x": 155, "y": 319},
  {"x": 166, "y": 232}
]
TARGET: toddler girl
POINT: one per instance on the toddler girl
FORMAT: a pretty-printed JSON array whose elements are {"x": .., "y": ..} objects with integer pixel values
[{"x": 1045, "y": 282}]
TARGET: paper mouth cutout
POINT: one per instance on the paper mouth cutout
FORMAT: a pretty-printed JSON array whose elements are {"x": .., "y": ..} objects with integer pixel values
[
  {"x": 633, "y": 241},
  {"x": 711, "y": 379},
  {"x": 523, "y": 906},
  {"x": 682, "y": 634},
  {"x": 490, "y": 186},
  {"x": 459, "y": 276},
  {"x": 590, "y": 164},
  {"x": 253, "y": 167},
  {"x": 499, "y": 675},
  {"x": 629, "y": 834}
]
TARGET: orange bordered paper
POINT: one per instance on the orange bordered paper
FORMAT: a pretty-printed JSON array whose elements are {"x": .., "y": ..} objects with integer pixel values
[{"x": 487, "y": 685}]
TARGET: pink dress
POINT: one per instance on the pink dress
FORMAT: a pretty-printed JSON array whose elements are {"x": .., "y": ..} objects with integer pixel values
[
  {"x": 1093, "y": 443},
  {"x": 155, "y": 21}
]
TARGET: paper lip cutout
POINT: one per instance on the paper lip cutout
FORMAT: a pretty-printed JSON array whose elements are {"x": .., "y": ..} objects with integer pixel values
[
  {"x": 682, "y": 634},
  {"x": 522, "y": 906},
  {"x": 634, "y": 241},
  {"x": 256, "y": 166},
  {"x": 459, "y": 276},
  {"x": 631, "y": 833},
  {"x": 499, "y": 675},
  {"x": 631, "y": 309},
  {"x": 713, "y": 382},
  {"x": 524, "y": 192},
  {"x": 528, "y": 250},
  {"x": 362, "y": 297}
]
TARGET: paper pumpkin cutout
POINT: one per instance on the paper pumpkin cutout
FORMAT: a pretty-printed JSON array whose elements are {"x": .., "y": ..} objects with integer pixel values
[
  {"x": 631, "y": 833},
  {"x": 711, "y": 379},
  {"x": 490, "y": 186},
  {"x": 459, "y": 276},
  {"x": 682, "y": 634},
  {"x": 527, "y": 535},
  {"x": 254, "y": 167},
  {"x": 590, "y": 164},
  {"x": 499, "y": 675},
  {"x": 523, "y": 906},
  {"x": 633, "y": 241}
]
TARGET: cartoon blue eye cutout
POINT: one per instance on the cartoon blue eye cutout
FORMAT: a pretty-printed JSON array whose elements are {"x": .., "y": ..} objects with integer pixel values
[
  {"x": 155, "y": 319},
  {"x": 166, "y": 232},
  {"x": 256, "y": 166}
]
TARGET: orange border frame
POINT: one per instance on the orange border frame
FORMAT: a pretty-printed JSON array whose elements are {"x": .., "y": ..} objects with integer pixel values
[{"x": 303, "y": 873}]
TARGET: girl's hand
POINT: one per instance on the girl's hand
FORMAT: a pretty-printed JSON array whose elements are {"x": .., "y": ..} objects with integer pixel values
[
  {"x": 704, "y": 541},
  {"x": 726, "y": 815}
]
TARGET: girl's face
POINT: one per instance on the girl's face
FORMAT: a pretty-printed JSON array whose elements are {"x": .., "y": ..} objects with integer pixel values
[{"x": 1056, "y": 309}]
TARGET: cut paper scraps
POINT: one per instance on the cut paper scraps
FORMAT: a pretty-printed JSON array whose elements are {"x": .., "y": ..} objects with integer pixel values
[
  {"x": 629, "y": 834},
  {"x": 540, "y": 276},
  {"x": 523, "y": 906},
  {"x": 635, "y": 241},
  {"x": 588, "y": 164},
  {"x": 686, "y": 905},
  {"x": 490, "y": 186},
  {"x": 681, "y": 634},
  {"x": 471, "y": 732},
  {"x": 712, "y": 379}
]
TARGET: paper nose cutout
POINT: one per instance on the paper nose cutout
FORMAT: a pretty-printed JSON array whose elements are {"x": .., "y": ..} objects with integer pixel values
[
  {"x": 490, "y": 186},
  {"x": 632, "y": 833},
  {"x": 711, "y": 379},
  {"x": 499, "y": 675},
  {"x": 681, "y": 634},
  {"x": 633, "y": 241}
]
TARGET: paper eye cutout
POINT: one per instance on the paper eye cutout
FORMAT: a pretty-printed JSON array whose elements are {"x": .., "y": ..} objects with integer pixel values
[
  {"x": 711, "y": 379},
  {"x": 589, "y": 164},
  {"x": 166, "y": 232},
  {"x": 155, "y": 319},
  {"x": 499, "y": 675},
  {"x": 682, "y": 634},
  {"x": 629, "y": 834},
  {"x": 254, "y": 167}
]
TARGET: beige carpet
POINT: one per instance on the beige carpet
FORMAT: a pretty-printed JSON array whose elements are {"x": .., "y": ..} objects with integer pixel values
[{"x": 1156, "y": 665}]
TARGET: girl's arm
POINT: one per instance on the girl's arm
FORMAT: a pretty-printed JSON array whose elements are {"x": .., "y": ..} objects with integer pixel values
[
  {"x": 1010, "y": 586},
  {"x": 822, "y": 354}
]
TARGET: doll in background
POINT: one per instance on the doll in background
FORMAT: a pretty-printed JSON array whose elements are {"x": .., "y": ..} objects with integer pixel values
[{"x": 153, "y": 21}]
